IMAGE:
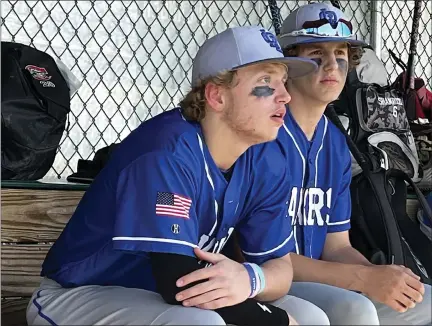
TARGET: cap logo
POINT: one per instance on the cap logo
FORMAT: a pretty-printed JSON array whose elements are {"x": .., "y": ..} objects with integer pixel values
[
  {"x": 271, "y": 39},
  {"x": 330, "y": 16},
  {"x": 38, "y": 73}
]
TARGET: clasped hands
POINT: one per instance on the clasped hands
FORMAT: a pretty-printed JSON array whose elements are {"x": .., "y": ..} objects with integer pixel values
[{"x": 226, "y": 283}]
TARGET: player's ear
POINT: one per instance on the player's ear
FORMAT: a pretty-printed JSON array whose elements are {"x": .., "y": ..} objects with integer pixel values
[{"x": 214, "y": 96}]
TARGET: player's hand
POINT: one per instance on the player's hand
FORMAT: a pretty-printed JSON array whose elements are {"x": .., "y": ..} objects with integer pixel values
[
  {"x": 396, "y": 286},
  {"x": 227, "y": 283}
]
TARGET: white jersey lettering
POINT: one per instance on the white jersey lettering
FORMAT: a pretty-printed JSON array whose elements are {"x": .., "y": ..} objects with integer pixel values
[
  {"x": 211, "y": 245},
  {"x": 306, "y": 208}
]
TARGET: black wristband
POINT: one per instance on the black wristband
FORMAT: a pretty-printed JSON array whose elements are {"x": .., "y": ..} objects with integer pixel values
[{"x": 251, "y": 313}]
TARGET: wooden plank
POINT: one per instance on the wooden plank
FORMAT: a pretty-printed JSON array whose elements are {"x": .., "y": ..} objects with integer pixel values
[
  {"x": 13, "y": 312},
  {"x": 20, "y": 268},
  {"x": 34, "y": 215}
]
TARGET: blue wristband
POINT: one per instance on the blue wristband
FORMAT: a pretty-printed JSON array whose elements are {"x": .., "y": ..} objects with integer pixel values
[
  {"x": 260, "y": 273},
  {"x": 252, "y": 278}
]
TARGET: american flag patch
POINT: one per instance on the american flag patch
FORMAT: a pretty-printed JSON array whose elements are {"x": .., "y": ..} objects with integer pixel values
[{"x": 172, "y": 205}]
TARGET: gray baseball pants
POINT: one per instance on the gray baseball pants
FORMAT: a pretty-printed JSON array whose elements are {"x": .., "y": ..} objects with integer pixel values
[
  {"x": 345, "y": 307},
  {"x": 113, "y": 305}
]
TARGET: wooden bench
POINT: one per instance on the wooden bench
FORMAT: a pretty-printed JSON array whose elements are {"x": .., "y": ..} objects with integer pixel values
[{"x": 33, "y": 214}]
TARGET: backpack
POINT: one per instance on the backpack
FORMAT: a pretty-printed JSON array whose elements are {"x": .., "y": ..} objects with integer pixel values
[
  {"x": 35, "y": 104},
  {"x": 419, "y": 100},
  {"x": 418, "y": 103},
  {"x": 380, "y": 227},
  {"x": 374, "y": 115}
]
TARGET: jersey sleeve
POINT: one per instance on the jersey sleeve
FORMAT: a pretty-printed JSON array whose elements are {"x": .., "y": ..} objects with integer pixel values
[
  {"x": 265, "y": 232},
  {"x": 340, "y": 214},
  {"x": 155, "y": 206}
]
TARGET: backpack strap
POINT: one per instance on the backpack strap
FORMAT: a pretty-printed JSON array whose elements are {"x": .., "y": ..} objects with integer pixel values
[
  {"x": 377, "y": 180},
  {"x": 377, "y": 256},
  {"x": 358, "y": 155},
  {"x": 421, "y": 198}
]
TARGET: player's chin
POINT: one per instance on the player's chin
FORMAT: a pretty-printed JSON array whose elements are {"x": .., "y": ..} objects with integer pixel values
[
  {"x": 330, "y": 95},
  {"x": 270, "y": 134}
]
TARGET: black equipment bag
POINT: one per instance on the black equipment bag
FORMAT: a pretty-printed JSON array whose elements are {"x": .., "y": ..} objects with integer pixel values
[
  {"x": 87, "y": 170},
  {"x": 381, "y": 229},
  {"x": 375, "y": 118},
  {"x": 374, "y": 113},
  {"x": 34, "y": 109}
]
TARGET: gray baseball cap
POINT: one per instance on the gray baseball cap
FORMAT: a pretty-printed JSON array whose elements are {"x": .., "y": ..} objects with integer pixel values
[
  {"x": 238, "y": 47},
  {"x": 300, "y": 27}
]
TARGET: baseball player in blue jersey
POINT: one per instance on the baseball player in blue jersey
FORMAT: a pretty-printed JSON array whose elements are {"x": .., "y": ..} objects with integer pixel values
[
  {"x": 328, "y": 271},
  {"x": 170, "y": 196}
]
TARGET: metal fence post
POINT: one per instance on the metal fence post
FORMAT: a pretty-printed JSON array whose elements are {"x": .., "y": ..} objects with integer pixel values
[{"x": 376, "y": 26}]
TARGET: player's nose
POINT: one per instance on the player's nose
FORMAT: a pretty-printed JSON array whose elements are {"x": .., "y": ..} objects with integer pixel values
[
  {"x": 330, "y": 63},
  {"x": 283, "y": 96}
]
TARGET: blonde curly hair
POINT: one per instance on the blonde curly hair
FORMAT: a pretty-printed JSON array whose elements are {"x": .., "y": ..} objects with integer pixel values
[{"x": 194, "y": 103}]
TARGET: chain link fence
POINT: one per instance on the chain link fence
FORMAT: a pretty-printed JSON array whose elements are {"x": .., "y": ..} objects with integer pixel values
[
  {"x": 395, "y": 35},
  {"x": 134, "y": 57}
]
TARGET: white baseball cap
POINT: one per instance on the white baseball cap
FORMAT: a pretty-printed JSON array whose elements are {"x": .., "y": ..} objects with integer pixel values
[
  {"x": 315, "y": 23},
  {"x": 242, "y": 46}
]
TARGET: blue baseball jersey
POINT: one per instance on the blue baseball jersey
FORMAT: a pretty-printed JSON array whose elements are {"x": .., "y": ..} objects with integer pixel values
[
  {"x": 319, "y": 195},
  {"x": 161, "y": 191}
]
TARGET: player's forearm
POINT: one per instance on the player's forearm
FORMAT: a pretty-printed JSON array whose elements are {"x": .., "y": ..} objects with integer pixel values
[
  {"x": 246, "y": 313},
  {"x": 347, "y": 255},
  {"x": 278, "y": 274},
  {"x": 346, "y": 276}
]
